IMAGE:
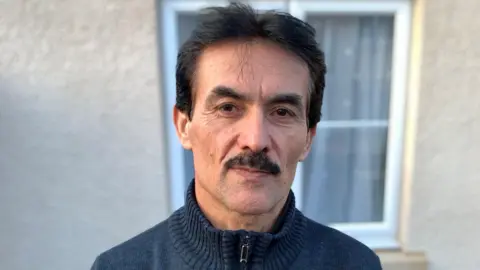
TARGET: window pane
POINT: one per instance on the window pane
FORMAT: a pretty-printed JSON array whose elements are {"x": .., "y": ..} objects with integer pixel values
[
  {"x": 344, "y": 175},
  {"x": 358, "y": 51},
  {"x": 186, "y": 23}
]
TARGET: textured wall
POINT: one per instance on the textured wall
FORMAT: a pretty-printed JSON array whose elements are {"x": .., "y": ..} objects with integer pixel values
[
  {"x": 81, "y": 163},
  {"x": 444, "y": 211},
  {"x": 81, "y": 148}
]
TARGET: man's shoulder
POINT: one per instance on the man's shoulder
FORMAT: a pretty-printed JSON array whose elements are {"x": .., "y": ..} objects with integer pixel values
[
  {"x": 325, "y": 235},
  {"x": 338, "y": 247},
  {"x": 138, "y": 252}
]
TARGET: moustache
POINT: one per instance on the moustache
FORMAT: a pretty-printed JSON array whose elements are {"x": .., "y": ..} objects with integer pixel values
[{"x": 255, "y": 160}]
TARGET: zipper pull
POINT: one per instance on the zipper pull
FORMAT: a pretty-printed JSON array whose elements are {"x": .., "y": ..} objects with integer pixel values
[
  {"x": 244, "y": 254},
  {"x": 244, "y": 251}
]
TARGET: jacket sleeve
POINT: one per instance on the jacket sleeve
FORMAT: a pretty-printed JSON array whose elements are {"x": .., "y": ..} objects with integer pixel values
[
  {"x": 378, "y": 263},
  {"x": 100, "y": 263},
  {"x": 96, "y": 264}
]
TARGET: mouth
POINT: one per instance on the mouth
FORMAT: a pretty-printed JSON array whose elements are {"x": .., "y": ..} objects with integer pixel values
[{"x": 250, "y": 172}]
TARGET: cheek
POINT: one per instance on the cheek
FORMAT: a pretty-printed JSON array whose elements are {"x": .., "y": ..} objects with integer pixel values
[
  {"x": 294, "y": 143},
  {"x": 209, "y": 141},
  {"x": 201, "y": 139}
]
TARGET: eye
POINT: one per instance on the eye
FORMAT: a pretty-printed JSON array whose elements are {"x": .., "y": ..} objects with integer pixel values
[
  {"x": 228, "y": 107},
  {"x": 284, "y": 112},
  {"x": 228, "y": 110}
]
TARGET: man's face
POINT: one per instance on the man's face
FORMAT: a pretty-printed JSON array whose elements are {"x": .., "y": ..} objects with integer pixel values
[{"x": 249, "y": 129}]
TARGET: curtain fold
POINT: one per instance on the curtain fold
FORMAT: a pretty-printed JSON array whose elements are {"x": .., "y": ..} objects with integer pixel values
[{"x": 344, "y": 173}]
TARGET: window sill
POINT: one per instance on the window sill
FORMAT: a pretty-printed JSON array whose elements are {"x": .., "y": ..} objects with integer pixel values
[{"x": 398, "y": 260}]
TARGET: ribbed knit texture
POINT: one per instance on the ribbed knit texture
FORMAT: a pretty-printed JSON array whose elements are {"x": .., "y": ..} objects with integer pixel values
[
  {"x": 187, "y": 240},
  {"x": 192, "y": 233}
]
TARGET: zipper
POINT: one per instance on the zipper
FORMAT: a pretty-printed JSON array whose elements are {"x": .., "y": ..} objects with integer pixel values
[{"x": 244, "y": 252}]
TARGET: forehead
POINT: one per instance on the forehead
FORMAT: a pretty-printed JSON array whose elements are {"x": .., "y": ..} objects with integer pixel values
[{"x": 257, "y": 68}]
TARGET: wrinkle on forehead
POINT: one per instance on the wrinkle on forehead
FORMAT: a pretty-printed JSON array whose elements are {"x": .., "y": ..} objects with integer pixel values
[
  {"x": 243, "y": 51},
  {"x": 248, "y": 65},
  {"x": 256, "y": 64}
]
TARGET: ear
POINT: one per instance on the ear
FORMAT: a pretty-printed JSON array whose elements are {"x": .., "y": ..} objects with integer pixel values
[
  {"x": 182, "y": 126},
  {"x": 308, "y": 143}
]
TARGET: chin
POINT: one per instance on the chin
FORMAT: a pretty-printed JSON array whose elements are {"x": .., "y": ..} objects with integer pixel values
[{"x": 252, "y": 202}]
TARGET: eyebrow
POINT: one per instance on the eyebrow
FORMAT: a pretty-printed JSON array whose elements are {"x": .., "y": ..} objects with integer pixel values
[
  {"x": 225, "y": 92},
  {"x": 221, "y": 91},
  {"x": 292, "y": 99}
]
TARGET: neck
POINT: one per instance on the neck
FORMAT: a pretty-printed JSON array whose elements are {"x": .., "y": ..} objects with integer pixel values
[{"x": 223, "y": 218}]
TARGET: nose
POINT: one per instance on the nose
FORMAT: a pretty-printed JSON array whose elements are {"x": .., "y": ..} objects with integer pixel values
[{"x": 255, "y": 134}]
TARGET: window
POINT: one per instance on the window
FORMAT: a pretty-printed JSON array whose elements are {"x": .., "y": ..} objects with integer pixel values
[{"x": 351, "y": 179}]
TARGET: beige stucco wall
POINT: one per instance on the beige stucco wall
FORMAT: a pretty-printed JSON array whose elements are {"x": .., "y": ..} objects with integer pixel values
[
  {"x": 442, "y": 198},
  {"x": 81, "y": 148},
  {"x": 81, "y": 127}
]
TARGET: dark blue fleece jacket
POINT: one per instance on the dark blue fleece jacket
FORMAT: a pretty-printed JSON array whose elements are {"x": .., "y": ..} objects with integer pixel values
[{"x": 187, "y": 240}]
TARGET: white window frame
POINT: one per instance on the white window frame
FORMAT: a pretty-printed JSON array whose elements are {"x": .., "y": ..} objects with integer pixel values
[{"x": 374, "y": 234}]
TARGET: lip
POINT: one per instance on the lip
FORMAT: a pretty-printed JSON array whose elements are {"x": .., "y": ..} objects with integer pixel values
[{"x": 250, "y": 173}]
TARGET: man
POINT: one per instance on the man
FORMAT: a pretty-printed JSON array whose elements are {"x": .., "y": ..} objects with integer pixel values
[{"x": 249, "y": 94}]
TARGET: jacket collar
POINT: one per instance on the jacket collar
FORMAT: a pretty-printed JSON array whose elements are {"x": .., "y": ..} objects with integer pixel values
[{"x": 202, "y": 246}]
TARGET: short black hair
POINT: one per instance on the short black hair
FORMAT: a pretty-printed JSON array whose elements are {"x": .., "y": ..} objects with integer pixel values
[{"x": 241, "y": 22}]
